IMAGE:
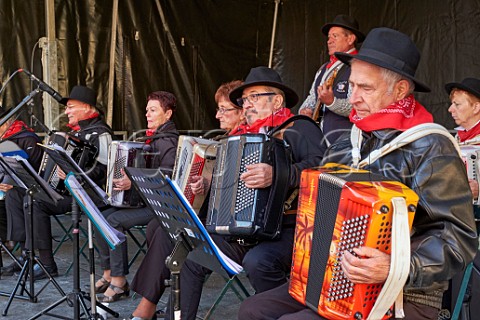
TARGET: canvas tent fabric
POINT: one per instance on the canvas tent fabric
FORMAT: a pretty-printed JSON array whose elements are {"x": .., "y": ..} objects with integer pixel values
[{"x": 191, "y": 47}]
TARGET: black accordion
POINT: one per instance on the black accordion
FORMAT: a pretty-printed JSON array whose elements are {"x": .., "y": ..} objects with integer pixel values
[
  {"x": 236, "y": 210},
  {"x": 84, "y": 154},
  {"x": 124, "y": 154}
]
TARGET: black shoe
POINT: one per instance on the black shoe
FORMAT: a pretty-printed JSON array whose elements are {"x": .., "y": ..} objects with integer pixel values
[
  {"x": 38, "y": 273},
  {"x": 13, "y": 267}
]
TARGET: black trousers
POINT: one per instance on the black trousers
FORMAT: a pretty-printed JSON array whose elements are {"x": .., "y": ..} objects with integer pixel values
[
  {"x": 267, "y": 266},
  {"x": 19, "y": 220},
  {"x": 3, "y": 221},
  {"x": 149, "y": 281},
  {"x": 278, "y": 304}
]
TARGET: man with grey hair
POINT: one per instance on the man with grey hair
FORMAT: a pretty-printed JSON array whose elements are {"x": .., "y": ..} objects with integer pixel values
[{"x": 443, "y": 237}]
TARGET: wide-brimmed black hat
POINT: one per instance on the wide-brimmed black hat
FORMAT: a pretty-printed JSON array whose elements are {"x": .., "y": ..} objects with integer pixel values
[
  {"x": 84, "y": 94},
  {"x": 345, "y": 22},
  {"x": 263, "y": 76},
  {"x": 471, "y": 85},
  {"x": 392, "y": 50}
]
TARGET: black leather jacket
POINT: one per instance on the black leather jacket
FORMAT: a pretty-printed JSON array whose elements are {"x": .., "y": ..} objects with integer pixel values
[{"x": 444, "y": 238}]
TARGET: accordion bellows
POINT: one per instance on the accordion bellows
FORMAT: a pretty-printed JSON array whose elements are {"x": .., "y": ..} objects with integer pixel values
[{"x": 339, "y": 209}]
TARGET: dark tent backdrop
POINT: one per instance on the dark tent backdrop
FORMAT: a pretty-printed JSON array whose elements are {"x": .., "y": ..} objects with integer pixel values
[{"x": 189, "y": 47}]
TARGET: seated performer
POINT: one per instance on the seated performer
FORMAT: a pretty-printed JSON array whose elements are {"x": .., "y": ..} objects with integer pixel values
[
  {"x": 443, "y": 238},
  {"x": 162, "y": 138},
  {"x": 88, "y": 126},
  {"x": 151, "y": 287},
  {"x": 465, "y": 110},
  {"x": 19, "y": 133},
  {"x": 266, "y": 102}
]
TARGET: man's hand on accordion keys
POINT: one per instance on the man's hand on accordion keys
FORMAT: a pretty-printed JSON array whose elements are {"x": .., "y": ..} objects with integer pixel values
[
  {"x": 199, "y": 185},
  {"x": 122, "y": 183},
  {"x": 61, "y": 175},
  {"x": 474, "y": 187},
  {"x": 368, "y": 265},
  {"x": 258, "y": 175}
]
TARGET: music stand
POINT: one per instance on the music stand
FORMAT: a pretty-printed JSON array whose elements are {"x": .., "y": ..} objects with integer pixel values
[
  {"x": 68, "y": 165},
  {"x": 23, "y": 174},
  {"x": 184, "y": 228}
]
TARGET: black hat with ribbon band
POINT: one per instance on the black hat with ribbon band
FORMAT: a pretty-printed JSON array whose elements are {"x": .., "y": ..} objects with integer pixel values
[
  {"x": 392, "y": 50},
  {"x": 471, "y": 85},
  {"x": 346, "y": 22},
  {"x": 84, "y": 94},
  {"x": 264, "y": 76}
]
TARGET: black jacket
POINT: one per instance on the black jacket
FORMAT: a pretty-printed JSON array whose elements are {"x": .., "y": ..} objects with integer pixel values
[
  {"x": 163, "y": 146},
  {"x": 444, "y": 238},
  {"x": 27, "y": 141},
  {"x": 98, "y": 134}
]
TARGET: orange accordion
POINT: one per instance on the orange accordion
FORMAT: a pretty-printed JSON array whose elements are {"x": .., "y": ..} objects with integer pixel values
[{"x": 341, "y": 208}]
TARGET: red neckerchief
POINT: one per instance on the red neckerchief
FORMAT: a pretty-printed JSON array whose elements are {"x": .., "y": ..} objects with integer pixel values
[
  {"x": 77, "y": 126},
  {"x": 400, "y": 115},
  {"x": 271, "y": 121},
  {"x": 16, "y": 127},
  {"x": 149, "y": 133},
  {"x": 334, "y": 59},
  {"x": 464, "y": 134}
]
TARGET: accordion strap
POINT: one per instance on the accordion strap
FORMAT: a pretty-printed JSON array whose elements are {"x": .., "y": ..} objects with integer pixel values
[
  {"x": 392, "y": 289},
  {"x": 407, "y": 137}
]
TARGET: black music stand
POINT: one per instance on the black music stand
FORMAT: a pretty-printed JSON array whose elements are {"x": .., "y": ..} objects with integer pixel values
[
  {"x": 22, "y": 173},
  {"x": 179, "y": 220},
  {"x": 77, "y": 297}
]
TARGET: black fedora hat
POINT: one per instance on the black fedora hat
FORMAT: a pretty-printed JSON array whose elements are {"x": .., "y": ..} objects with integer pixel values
[
  {"x": 346, "y": 22},
  {"x": 471, "y": 85},
  {"x": 392, "y": 50},
  {"x": 264, "y": 76},
  {"x": 84, "y": 94}
]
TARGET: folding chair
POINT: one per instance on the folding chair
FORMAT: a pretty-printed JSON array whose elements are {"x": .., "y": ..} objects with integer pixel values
[
  {"x": 141, "y": 244},
  {"x": 237, "y": 287}
]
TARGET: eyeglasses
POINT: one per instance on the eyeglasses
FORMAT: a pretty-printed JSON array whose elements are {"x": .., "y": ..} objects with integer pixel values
[
  {"x": 223, "y": 110},
  {"x": 252, "y": 98}
]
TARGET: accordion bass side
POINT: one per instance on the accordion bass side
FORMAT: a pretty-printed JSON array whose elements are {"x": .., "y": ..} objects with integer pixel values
[
  {"x": 240, "y": 211},
  {"x": 340, "y": 209},
  {"x": 470, "y": 156},
  {"x": 81, "y": 153},
  {"x": 195, "y": 157},
  {"x": 124, "y": 154}
]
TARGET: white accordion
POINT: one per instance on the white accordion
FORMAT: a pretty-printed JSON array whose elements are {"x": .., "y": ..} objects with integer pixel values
[
  {"x": 470, "y": 156},
  {"x": 124, "y": 154},
  {"x": 195, "y": 157}
]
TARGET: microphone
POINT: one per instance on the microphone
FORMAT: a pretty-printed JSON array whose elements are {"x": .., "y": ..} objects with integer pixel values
[{"x": 43, "y": 86}]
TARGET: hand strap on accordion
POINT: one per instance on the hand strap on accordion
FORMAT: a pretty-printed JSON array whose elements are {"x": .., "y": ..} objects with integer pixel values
[
  {"x": 392, "y": 290},
  {"x": 404, "y": 138}
]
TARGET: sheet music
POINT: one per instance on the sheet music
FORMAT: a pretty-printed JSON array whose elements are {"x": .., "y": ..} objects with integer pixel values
[
  {"x": 23, "y": 174},
  {"x": 225, "y": 260},
  {"x": 67, "y": 164},
  {"x": 111, "y": 235}
]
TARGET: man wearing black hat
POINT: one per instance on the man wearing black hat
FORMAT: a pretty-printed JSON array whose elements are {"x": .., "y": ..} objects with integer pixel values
[
  {"x": 266, "y": 102},
  {"x": 88, "y": 126},
  {"x": 328, "y": 94},
  {"x": 443, "y": 238}
]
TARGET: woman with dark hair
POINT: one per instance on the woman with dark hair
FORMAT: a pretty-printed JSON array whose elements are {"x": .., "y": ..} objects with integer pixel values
[
  {"x": 151, "y": 287},
  {"x": 162, "y": 138}
]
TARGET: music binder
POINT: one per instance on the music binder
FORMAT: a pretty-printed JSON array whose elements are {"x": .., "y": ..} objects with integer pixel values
[
  {"x": 111, "y": 235},
  {"x": 164, "y": 198}
]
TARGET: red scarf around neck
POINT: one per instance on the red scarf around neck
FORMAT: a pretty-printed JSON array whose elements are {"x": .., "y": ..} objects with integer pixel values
[
  {"x": 16, "y": 127},
  {"x": 77, "y": 126},
  {"x": 465, "y": 135},
  {"x": 271, "y": 121},
  {"x": 401, "y": 115},
  {"x": 334, "y": 59}
]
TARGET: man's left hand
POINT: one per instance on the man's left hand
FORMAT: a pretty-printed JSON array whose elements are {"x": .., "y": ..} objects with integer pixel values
[
  {"x": 258, "y": 175},
  {"x": 5, "y": 187},
  {"x": 369, "y": 266}
]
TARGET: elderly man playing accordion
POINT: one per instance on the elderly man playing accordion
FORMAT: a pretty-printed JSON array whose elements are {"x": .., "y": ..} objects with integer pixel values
[
  {"x": 443, "y": 237},
  {"x": 88, "y": 126}
]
